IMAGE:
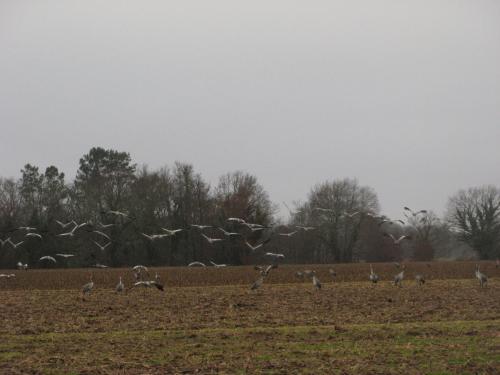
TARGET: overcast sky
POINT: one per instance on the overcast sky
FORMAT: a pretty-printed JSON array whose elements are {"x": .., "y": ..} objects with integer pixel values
[{"x": 403, "y": 95}]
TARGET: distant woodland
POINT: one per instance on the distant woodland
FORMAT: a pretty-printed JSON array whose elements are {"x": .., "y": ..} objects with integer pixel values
[{"x": 137, "y": 212}]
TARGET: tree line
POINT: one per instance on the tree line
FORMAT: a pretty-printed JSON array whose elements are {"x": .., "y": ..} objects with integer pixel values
[{"x": 340, "y": 220}]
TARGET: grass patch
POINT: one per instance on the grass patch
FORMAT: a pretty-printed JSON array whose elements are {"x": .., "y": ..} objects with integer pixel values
[{"x": 462, "y": 347}]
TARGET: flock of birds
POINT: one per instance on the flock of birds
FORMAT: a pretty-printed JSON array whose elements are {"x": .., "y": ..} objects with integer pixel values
[{"x": 140, "y": 272}]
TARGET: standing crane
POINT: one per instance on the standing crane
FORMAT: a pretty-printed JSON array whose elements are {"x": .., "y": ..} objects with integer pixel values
[
  {"x": 120, "y": 287},
  {"x": 373, "y": 276},
  {"x": 398, "y": 279},
  {"x": 258, "y": 283},
  {"x": 332, "y": 272},
  {"x": 315, "y": 281},
  {"x": 87, "y": 288},
  {"x": 420, "y": 279},
  {"x": 482, "y": 278}
]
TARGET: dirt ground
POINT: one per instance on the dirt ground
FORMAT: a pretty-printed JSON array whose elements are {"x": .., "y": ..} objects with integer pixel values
[{"x": 209, "y": 321}]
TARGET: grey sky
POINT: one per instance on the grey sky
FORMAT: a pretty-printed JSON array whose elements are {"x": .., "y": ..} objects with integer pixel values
[{"x": 403, "y": 95}]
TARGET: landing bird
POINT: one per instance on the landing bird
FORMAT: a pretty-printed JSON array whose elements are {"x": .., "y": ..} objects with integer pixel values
[
  {"x": 254, "y": 228},
  {"x": 104, "y": 226},
  {"x": 377, "y": 217},
  {"x": 102, "y": 234},
  {"x": 27, "y": 229},
  {"x": 65, "y": 255},
  {"x": 390, "y": 222},
  {"x": 308, "y": 273},
  {"x": 258, "y": 283},
  {"x": 118, "y": 213},
  {"x": 212, "y": 241},
  {"x": 265, "y": 270},
  {"x": 15, "y": 245},
  {"x": 157, "y": 282},
  {"x": 148, "y": 284},
  {"x": 305, "y": 229},
  {"x": 48, "y": 258},
  {"x": 172, "y": 232},
  {"x": 21, "y": 266},
  {"x": 398, "y": 279},
  {"x": 481, "y": 277},
  {"x": 420, "y": 279},
  {"x": 236, "y": 220},
  {"x": 65, "y": 225},
  {"x": 352, "y": 214},
  {"x": 275, "y": 256},
  {"x": 34, "y": 235},
  {"x": 140, "y": 268},
  {"x": 71, "y": 233},
  {"x": 218, "y": 265},
  {"x": 287, "y": 234},
  {"x": 120, "y": 287},
  {"x": 87, "y": 288},
  {"x": 3, "y": 242},
  {"x": 196, "y": 264},
  {"x": 415, "y": 213},
  {"x": 324, "y": 210},
  {"x": 253, "y": 248},
  {"x": 6, "y": 275},
  {"x": 397, "y": 241},
  {"x": 200, "y": 227},
  {"x": 154, "y": 237},
  {"x": 229, "y": 234},
  {"x": 101, "y": 246},
  {"x": 373, "y": 275},
  {"x": 316, "y": 281},
  {"x": 84, "y": 224},
  {"x": 292, "y": 212}
]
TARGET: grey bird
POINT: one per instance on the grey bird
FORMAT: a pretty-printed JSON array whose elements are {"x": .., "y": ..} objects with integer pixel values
[
  {"x": 102, "y": 234},
  {"x": 373, "y": 275},
  {"x": 481, "y": 277},
  {"x": 172, "y": 232},
  {"x": 398, "y": 279},
  {"x": 65, "y": 225},
  {"x": 414, "y": 213},
  {"x": 258, "y": 283},
  {"x": 87, "y": 288},
  {"x": 196, "y": 264},
  {"x": 3, "y": 242},
  {"x": 420, "y": 279},
  {"x": 218, "y": 265},
  {"x": 34, "y": 235},
  {"x": 395, "y": 240},
  {"x": 315, "y": 281},
  {"x": 102, "y": 247},
  {"x": 120, "y": 287},
  {"x": 212, "y": 241}
]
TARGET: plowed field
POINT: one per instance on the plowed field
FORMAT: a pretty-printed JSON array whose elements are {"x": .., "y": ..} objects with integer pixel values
[{"x": 208, "y": 321}]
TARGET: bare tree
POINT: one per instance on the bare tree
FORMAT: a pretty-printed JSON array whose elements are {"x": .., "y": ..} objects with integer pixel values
[
  {"x": 239, "y": 194},
  {"x": 423, "y": 227},
  {"x": 474, "y": 215},
  {"x": 337, "y": 209}
]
